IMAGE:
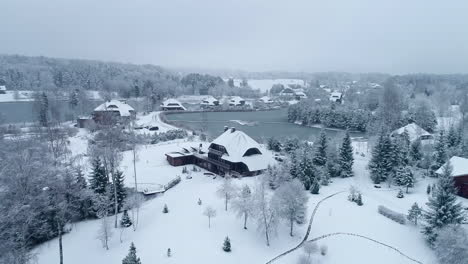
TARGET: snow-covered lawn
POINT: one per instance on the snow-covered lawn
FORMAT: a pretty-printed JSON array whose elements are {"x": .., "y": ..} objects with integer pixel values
[
  {"x": 185, "y": 229},
  {"x": 9, "y": 96}
]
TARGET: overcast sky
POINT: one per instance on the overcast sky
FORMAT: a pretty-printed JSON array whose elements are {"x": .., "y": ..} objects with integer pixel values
[{"x": 394, "y": 36}]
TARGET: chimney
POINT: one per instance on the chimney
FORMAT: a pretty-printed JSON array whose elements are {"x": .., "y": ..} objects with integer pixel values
[
  {"x": 233, "y": 129},
  {"x": 226, "y": 128}
]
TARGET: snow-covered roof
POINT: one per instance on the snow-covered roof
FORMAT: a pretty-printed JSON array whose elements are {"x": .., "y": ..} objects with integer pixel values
[
  {"x": 237, "y": 143},
  {"x": 172, "y": 103},
  {"x": 336, "y": 94},
  {"x": 266, "y": 99},
  {"x": 459, "y": 166},
  {"x": 287, "y": 91},
  {"x": 301, "y": 94},
  {"x": 236, "y": 100},
  {"x": 116, "y": 105},
  {"x": 414, "y": 131},
  {"x": 210, "y": 100},
  {"x": 2, "y": 88}
]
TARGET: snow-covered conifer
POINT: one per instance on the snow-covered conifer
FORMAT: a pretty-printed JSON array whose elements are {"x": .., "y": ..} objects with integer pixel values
[
  {"x": 414, "y": 213},
  {"x": 131, "y": 258},
  {"x": 165, "y": 209},
  {"x": 125, "y": 220},
  {"x": 346, "y": 158},
  {"x": 320, "y": 155},
  {"x": 99, "y": 181},
  {"x": 443, "y": 208},
  {"x": 227, "y": 245},
  {"x": 451, "y": 246}
]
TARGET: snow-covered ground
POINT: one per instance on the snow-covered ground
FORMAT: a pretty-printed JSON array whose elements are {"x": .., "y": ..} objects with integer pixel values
[
  {"x": 10, "y": 96},
  {"x": 185, "y": 229}
]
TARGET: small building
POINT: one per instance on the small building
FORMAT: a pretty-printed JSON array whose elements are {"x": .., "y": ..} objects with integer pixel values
[
  {"x": 459, "y": 174},
  {"x": 233, "y": 152},
  {"x": 287, "y": 92},
  {"x": 336, "y": 97},
  {"x": 2, "y": 86},
  {"x": 85, "y": 122},
  {"x": 266, "y": 100},
  {"x": 414, "y": 131},
  {"x": 300, "y": 95},
  {"x": 209, "y": 101},
  {"x": 113, "y": 111},
  {"x": 172, "y": 105},
  {"x": 236, "y": 101}
]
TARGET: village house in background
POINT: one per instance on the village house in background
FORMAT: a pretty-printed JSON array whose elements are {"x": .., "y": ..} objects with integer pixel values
[
  {"x": 459, "y": 174},
  {"x": 336, "y": 97},
  {"x": 415, "y": 132},
  {"x": 233, "y": 152},
  {"x": 209, "y": 102},
  {"x": 266, "y": 100},
  {"x": 172, "y": 105},
  {"x": 236, "y": 101},
  {"x": 2, "y": 86},
  {"x": 113, "y": 112}
]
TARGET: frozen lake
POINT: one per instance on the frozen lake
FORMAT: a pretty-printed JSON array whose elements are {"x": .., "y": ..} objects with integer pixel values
[{"x": 260, "y": 124}]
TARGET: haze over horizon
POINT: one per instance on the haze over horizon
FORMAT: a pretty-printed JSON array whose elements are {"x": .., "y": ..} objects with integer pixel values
[{"x": 258, "y": 35}]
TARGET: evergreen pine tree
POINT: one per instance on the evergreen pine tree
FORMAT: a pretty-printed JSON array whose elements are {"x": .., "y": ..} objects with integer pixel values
[
  {"x": 80, "y": 179},
  {"x": 404, "y": 177},
  {"x": 428, "y": 189},
  {"x": 306, "y": 171},
  {"x": 384, "y": 159},
  {"x": 346, "y": 159},
  {"x": 315, "y": 188},
  {"x": 121, "y": 192},
  {"x": 43, "y": 110},
  {"x": 320, "y": 156},
  {"x": 169, "y": 253},
  {"x": 98, "y": 181},
  {"x": 400, "y": 194},
  {"x": 414, "y": 213},
  {"x": 131, "y": 258},
  {"x": 73, "y": 100},
  {"x": 227, "y": 245},
  {"x": 359, "y": 199},
  {"x": 125, "y": 220},
  {"x": 415, "y": 152},
  {"x": 452, "y": 137},
  {"x": 440, "y": 150},
  {"x": 165, "y": 209},
  {"x": 443, "y": 208}
]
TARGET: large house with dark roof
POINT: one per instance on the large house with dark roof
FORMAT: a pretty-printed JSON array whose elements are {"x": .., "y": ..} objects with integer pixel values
[
  {"x": 459, "y": 173},
  {"x": 233, "y": 152},
  {"x": 113, "y": 111}
]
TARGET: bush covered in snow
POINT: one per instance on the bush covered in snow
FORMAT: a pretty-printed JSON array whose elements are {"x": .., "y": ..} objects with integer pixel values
[
  {"x": 169, "y": 135},
  {"x": 397, "y": 217}
]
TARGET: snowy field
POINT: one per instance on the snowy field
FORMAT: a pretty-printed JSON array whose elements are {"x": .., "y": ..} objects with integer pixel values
[{"x": 185, "y": 229}]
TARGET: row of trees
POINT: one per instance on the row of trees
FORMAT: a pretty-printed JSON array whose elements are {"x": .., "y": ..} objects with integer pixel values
[{"x": 332, "y": 115}]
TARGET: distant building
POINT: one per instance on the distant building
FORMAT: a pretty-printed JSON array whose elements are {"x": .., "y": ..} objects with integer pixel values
[
  {"x": 2, "y": 86},
  {"x": 266, "y": 100},
  {"x": 414, "y": 131},
  {"x": 336, "y": 97},
  {"x": 236, "y": 101},
  {"x": 209, "y": 101},
  {"x": 300, "y": 95},
  {"x": 113, "y": 111},
  {"x": 459, "y": 174},
  {"x": 287, "y": 92},
  {"x": 233, "y": 152},
  {"x": 172, "y": 104}
]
